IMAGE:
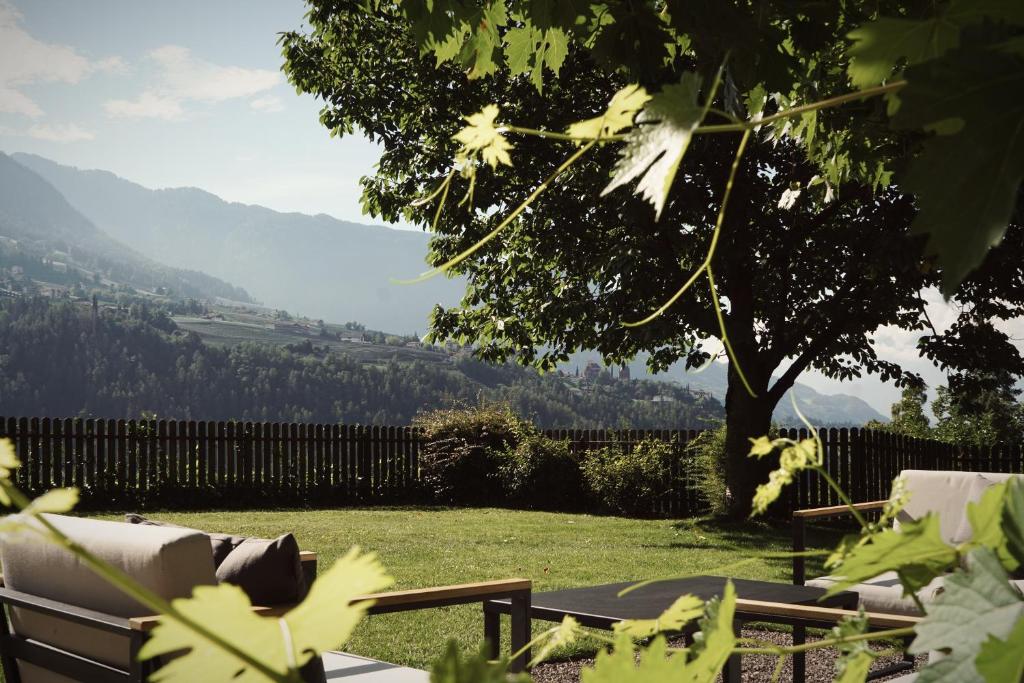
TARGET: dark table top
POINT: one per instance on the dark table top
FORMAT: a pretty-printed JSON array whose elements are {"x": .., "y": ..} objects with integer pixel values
[{"x": 603, "y": 604}]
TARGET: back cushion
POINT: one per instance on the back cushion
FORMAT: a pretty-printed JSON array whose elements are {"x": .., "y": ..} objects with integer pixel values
[
  {"x": 946, "y": 494},
  {"x": 168, "y": 561}
]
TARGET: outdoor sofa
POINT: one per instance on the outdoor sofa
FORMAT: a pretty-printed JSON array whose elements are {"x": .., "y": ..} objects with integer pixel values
[
  {"x": 943, "y": 492},
  {"x": 60, "y": 622}
]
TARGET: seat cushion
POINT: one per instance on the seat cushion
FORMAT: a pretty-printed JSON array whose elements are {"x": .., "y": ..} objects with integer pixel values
[
  {"x": 884, "y": 593},
  {"x": 168, "y": 561}
]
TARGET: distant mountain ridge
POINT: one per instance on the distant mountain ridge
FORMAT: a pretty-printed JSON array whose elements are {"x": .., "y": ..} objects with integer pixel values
[
  {"x": 826, "y": 410},
  {"x": 45, "y": 226},
  {"x": 317, "y": 265},
  {"x": 324, "y": 267}
]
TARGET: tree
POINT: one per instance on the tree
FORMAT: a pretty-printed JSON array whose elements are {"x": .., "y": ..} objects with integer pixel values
[
  {"x": 908, "y": 416},
  {"x": 982, "y": 413},
  {"x": 806, "y": 269}
]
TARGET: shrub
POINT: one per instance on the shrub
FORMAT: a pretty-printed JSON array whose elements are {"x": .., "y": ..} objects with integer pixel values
[
  {"x": 462, "y": 450},
  {"x": 542, "y": 473},
  {"x": 705, "y": 467},
  {"x": 631, "y": 483}
]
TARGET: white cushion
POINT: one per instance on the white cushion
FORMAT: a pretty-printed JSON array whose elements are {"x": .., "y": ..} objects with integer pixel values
[
  {"x": 169, "y": 561},
  {"x": 884, "y": 593},
  {"x": 946, "y": 493}
]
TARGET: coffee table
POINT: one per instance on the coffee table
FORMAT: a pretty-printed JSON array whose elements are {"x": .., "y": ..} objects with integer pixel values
[{"x": 601, "y": 607}]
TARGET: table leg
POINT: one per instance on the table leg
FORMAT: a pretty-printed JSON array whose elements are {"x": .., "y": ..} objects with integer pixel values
[
  {"x": 492, "y": 632},
  {"x": 520, "y": 630},
  {"x": 799, "y": 658}
]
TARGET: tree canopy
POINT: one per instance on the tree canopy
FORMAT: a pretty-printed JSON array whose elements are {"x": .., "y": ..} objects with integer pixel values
[{"x": 817, "y": 249}]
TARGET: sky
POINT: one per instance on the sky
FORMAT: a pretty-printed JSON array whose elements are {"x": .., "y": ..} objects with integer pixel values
[
  {"x": 170, "y": 94},
  {"x": 190, "y": 93}
]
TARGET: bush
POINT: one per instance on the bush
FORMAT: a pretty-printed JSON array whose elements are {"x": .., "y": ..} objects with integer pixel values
[
  {"x": 462, "y": 451},
  {"x": 631, "y": 483},
  {"x": 705, "y": 467},
  {"x": 542, "y": 473}
]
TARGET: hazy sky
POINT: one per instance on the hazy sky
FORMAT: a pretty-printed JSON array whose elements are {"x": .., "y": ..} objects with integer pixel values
[
  {"x": 173, "y": 93},
  {"x": 190, "y": 93}
]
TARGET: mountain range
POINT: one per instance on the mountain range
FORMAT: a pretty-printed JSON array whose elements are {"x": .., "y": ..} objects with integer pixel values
[{"x": 318, "y": 265}]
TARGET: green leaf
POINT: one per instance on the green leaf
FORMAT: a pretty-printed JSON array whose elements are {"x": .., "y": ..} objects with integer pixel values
[
  {"x": 530, "y": 49},
  {"x": 855, "y": 660},
  {"x": 55, "y": 500},
  {"x": 620, "y": 666},
  {"x": 686, "y": 608},
  {"x": 917, "y": 551},
  {"x": 483, "y": 37},
  {"x": 986, "y": 518},
  {"x": 965, "y": 183},
  {"x": 656, "y": 146},
  {"x": 453, "y": 668},
  {"x": 324, "y": 620},
  {"x": 8, "y": 456},
  {"x": 975, "y": 604},
  {"x": 853, "y": 668},
  {"x": 878, "y": 46},
  {"x": 482, "y": 137},
  {"x": 619, "y": 115},
  {"x": 761, "y": 446},
  {"x": 717, "y": 638},
  {"x": 564, "y": 634},
  {"x": 1002, "y": 660},
  {"x": 1013, "y": 518}
]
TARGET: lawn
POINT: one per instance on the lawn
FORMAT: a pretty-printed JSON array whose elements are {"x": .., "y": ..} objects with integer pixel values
[{"x": 434, "y": 546}]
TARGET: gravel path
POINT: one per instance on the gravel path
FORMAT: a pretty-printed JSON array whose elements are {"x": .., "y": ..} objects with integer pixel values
[{"x": 756, "y": 668}]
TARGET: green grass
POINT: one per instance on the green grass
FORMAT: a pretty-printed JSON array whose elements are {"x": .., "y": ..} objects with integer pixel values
[{"x": 428, "y": 547}]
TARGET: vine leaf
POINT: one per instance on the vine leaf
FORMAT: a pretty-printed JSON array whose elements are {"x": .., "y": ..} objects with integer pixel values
[
  {"x": 653, "y": 666},
  {"x": 878, "y": 46},
  {"x": 530, "y": 49},
  {"x": 324, "y": 620},
  {"x": 686, "y": 608},
  {"x": 965, "y": 180},
  {"x": 917, "y": 551},
  {"x": 1013, "y": 518},
  {"x": 482, "y": 137},
  {"x": 717, "y": 638},
  {"x": 656, "y": 146},
  {"x": 56, "y": 501},
  {"x": 1003, "y": 660},
  {"x": 986, "y": 518},
  {"x": 619, "y": 115},
  {"x": 856, "y": 657},
  {"x": 452, "y": 667},
  {"x": 563, "y": 634},
  {"x": 976, "y": 604}
]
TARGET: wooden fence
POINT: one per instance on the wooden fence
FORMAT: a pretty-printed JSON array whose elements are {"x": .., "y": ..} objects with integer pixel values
[{"x": 198, "y": 464}]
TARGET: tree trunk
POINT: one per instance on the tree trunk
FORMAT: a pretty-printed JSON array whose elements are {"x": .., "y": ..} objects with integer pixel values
[{"x": 746, "y": 418}]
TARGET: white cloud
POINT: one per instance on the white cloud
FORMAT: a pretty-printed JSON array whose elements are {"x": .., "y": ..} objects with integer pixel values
[
  {"x": 67, "y": 132},
  {"x": 269, "y": 103},
  {"x": 184, "y": 78},
  {"x": 195, "y": 79},
  {"x": 25, "y": 60},
  {"x": 146, "y": 105}
]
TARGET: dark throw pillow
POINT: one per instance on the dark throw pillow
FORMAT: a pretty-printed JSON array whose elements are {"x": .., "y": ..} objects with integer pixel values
[
  {"x": 269, "y": 571},
  {"x": 222, "y": 544}
]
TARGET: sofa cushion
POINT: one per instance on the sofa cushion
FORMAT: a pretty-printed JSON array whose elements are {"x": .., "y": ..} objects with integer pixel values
[
  {"x": 268, "y": 570},
  {"x": 884, "y": 593},
  {"x": 222, "y": 544},
  {"x": 945, "y": 493},
  {"x": 168, "y": 561}
]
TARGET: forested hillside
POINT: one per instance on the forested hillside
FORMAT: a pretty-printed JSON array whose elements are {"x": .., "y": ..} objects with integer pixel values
[{"x": 59, "y": 359}]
